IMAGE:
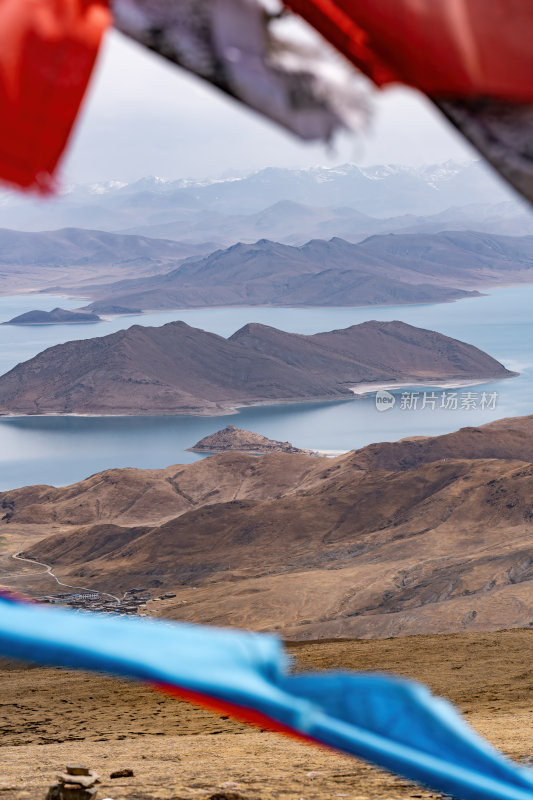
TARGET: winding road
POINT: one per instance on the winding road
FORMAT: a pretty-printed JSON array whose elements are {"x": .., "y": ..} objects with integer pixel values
[{"x": 48, "y": 571}]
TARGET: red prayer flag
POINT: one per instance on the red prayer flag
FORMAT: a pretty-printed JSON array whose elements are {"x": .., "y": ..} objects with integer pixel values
[
  {"x": 47, "y": 53},
  {"x": 445, "y": 48}
]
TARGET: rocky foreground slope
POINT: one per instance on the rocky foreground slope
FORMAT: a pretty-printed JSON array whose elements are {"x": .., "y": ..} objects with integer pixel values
[
  {"x": 176, "y": 750},
  {"x": 176, "y": 369},
  {"x": 424, "y": 535}
]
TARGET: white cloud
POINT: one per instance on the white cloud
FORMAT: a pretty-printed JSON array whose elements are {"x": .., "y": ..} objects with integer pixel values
[{"x": 144, "y": 116}]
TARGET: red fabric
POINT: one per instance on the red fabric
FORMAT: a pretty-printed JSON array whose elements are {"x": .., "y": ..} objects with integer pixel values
[
  {"x": 237, "y": 712},
  {"x": 459, "y": 48},
  {"x": 15, "y": 597},
  {"x": 47, "y": 52}
]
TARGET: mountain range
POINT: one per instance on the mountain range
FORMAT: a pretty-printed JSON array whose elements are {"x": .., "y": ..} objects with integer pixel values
[
  {"x": 382, "y": 270},
  {"x": 423, "y": 535},
  {"x": 74, "y": 257},
  {"x": 93, "y": 235},
  {"x": 126, "y": 273},
  {"x": 384, "y": 191},
  {"x": 285, "y": 205},
  {"x": 177, "y": 369},
  {"x": 295, "y": 223}
]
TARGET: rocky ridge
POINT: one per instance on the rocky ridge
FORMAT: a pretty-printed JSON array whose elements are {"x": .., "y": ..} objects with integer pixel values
[{"x": 234, "y": 439}]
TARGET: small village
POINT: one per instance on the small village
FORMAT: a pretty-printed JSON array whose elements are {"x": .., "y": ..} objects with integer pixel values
[{"x": 131, "y": 603}]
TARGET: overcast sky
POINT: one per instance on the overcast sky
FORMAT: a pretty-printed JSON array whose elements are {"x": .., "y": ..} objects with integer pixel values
[{"x": 146, "y": 117}]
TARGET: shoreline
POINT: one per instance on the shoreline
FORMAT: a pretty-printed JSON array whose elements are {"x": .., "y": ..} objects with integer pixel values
[
  {"x": 299, "y": 451},
  {"x": 229, "y": 411},
  {"x": 358, "y": 392},
  {"x": 50, "y": 324},
  {"x": 483, "y": 291},
  {"x": 365, "y": 389},
  {"x": 475, "y": 293}
]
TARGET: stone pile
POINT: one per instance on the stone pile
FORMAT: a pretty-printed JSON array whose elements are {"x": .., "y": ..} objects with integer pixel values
[{"x": 76, "y": 783}]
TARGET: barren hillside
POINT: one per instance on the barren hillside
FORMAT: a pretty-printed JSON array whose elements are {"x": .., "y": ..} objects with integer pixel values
[{"x": 424, "y": 535}]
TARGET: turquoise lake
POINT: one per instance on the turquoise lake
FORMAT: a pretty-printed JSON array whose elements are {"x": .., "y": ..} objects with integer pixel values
[{"x": 61, "y": 450}]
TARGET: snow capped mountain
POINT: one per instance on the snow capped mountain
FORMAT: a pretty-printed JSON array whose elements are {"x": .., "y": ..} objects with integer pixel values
[
  {"x": 432, "y": 174},
  {"x": 382, "y": 191},
  {"x": 104, "y": 188}
]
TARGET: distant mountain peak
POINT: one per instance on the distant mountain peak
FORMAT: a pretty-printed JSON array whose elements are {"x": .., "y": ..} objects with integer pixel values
[
  {"x": 107, "y": 186},
  {"x": 150, "y": 182},
  {"x": 319, "y": 173},
  {"x": 254, "y": 328}
]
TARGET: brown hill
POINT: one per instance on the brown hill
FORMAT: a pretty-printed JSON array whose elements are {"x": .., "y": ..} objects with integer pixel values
[
  {"x": 128, "y": 496},
  {"x": 145, "y": 496},
  {"x": 508, "y": 438},
  {"x": 235, "y": 439},
  {"x": 316, "y": 549},
  {"x": 179, "y": 369},
  {"x": 444, "y": 547},
  {"x": 371, "y": 349}
]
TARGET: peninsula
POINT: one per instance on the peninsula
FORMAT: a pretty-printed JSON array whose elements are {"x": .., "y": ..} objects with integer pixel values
[
  {"x": 58, "y": 316},
  {"x": 396, "y": 269},
  {"x": 177, "y": 369}
]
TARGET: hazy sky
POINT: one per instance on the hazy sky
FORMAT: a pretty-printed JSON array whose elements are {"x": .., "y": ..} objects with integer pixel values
[{"x": 146, "y": 117}]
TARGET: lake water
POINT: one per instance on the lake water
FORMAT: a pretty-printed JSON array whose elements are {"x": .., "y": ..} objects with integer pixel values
[{"x": 61, "y": 450}]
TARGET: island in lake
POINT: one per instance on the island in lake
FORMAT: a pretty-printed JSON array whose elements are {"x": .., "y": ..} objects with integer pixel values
[
  {"x": 177, "y": 369},
  {"x": 58, "y": 316},
  {"x": 238, "y": 440}
]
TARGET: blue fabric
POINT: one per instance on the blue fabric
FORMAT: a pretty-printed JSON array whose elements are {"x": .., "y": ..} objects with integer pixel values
[{"x": 394, "y": 723}]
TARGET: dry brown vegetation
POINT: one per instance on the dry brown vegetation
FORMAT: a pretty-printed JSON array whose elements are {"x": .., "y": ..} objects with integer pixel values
[
  {"x": 52, "y": 717},
  {"x": 421, "y": 536}
]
